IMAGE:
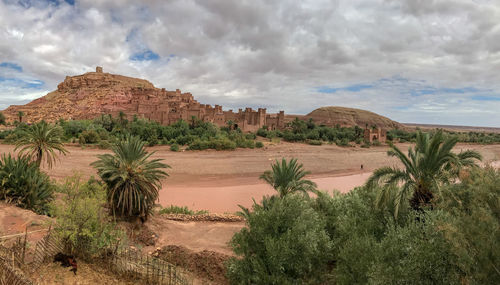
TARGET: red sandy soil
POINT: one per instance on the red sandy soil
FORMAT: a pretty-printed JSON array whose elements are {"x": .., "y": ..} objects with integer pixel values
[
  {"x": 220, "y": 180},
  {"x": 14, "y": 220}
]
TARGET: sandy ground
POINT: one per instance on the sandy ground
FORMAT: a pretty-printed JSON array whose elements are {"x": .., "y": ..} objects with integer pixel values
[
  {"x": 15, "y": 221},
  {"x": 220, "y": 180}
]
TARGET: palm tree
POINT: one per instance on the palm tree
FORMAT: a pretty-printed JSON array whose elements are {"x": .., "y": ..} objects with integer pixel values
[
  {"x": 428, "y": 165},
  {"x": 122, "y": 117},
  {"x": 20, "y": 114},
  {"x": 288, "y": 177},
  {"x": 133, "y": 180},
  {"x": 41, "y": 141}
]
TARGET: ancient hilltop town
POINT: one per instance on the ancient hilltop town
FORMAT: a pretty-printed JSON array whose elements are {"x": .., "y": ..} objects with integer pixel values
[
  {"x": 167, "y": 107},
  {"x": 95, "y": 93}
]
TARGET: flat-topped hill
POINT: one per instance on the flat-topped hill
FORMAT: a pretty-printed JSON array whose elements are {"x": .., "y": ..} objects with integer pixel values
[{"x": 343, "y": 116}]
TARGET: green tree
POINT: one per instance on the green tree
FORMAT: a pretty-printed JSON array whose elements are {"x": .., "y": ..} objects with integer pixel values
[
  {"x": 20, "y": 115},
  {"x": 288, "y": 177},
  {"x": 2, "y": 119},
  {"x": 285, "y": 242},
  {"x": 230, "y": 124},
  {"x": 298, "y": 126},
  {"x": 133, "y": 180},
  {"x": 41, "y": 141},
  {"x": 82, "y": 222},
  {"x": 122, "y": 117},
  {"x": 430, "y": 164}
]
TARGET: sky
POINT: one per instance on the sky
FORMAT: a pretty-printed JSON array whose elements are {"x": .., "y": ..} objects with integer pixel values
[{"x": 419, "y": 61}]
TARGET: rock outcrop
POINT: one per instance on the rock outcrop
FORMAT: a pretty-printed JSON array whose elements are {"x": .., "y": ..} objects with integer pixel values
[{"x": 333, "y": 115}]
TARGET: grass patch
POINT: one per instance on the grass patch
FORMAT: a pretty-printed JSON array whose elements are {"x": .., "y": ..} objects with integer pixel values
[{"x": 181, "y": 210}]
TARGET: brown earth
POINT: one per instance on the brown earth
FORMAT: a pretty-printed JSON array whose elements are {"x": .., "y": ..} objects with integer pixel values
[
  {"x": 13, "y": 224},
  {"x": 220, "y": 180},
  {"x": 88, "y": 274},
  {"x": 208, "y": 266}
]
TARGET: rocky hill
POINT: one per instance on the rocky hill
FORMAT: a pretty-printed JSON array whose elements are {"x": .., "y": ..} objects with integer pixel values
[
  {"x": 343, "y": 116},
  {"x": 80, "y": 97}
]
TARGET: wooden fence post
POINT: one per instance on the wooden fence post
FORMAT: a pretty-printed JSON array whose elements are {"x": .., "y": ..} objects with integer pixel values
[{"x": 24, "y": 244}]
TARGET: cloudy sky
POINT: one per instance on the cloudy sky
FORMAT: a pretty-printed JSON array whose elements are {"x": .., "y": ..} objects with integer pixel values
[{"x": 422, "y": 61}]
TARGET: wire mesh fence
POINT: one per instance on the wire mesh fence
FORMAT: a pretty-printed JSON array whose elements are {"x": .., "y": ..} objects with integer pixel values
[
  {"x": 10, "y": 267},
  {"x": 148, "y": 268}
]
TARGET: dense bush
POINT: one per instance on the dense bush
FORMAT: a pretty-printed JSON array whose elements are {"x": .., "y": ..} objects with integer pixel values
[
  {"x": 315, "y": 142},
  {"x": 82, "y": 222},
  {"x": 90, "y": 136},
  {"x": 215, "y": 143},
  {"x": 196, "y": 134},
  {"x": 259, "y": 144},
  {"x": 468, "y": 137},
  {"x": 285, "y": 243},
  {"x": 455, "y": 242},
  {"x": 22, "y": 183},
  {"x": 174, "y": 147}
]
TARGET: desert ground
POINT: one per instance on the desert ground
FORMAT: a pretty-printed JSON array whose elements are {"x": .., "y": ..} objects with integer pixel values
[{"x": 219, "y": 181}]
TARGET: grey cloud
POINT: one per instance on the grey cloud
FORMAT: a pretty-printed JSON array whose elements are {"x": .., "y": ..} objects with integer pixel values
[{"x": 269, "y": 53}]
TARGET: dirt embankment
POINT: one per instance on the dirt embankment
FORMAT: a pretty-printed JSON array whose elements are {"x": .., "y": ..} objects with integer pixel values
[{"x": 208, "y": 266}]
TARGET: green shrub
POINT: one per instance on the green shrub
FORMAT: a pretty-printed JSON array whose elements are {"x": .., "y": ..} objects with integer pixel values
[
  {"x": 262, "y": 132},
  {"x": 250, "y": 136},
  {"x": 90, "y": 136},
  {"x": 454, "y": 243},
  {"x": 4, "y": 134},
  {"x": 244, "y": 143},
  {"x": 12, "y": 137},
  {"x": 366, "y": 144},
  {"x": 24, "y": 184},
  {"x": 259, "y": 145},
  {"x": 473, "y": 228},
  {"x": 81, "y": 139},
  {"x": 285, "y": 243},
  {"x": 416, "y": 253},
  {"x": 104, "y": 144},
  {"x": 342, "y": 142},
  {"x": 174, "y": 147},
  {"x": 275, "y": 140},
  {"x": 315, "y": 142},
  {"x": 82, "y": 222},
  {"x": 181, "y": 210},
  {"x": 217, "y": 144}
]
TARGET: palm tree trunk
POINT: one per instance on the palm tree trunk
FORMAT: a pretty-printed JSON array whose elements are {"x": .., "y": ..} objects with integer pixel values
[{"x": 421, "y": 198}]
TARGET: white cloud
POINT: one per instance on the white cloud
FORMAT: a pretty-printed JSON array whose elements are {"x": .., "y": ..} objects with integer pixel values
[{"x": 273, "y": 53}]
